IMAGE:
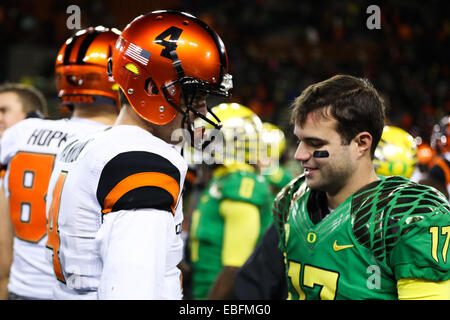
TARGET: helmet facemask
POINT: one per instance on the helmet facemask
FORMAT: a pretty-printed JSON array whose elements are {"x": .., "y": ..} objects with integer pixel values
[{"x": 190, "y": 88}]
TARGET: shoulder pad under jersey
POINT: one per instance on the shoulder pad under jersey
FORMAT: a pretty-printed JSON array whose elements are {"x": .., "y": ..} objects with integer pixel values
[
  {"x": 292, "y": 191},
  {"x": 138, "y": 179},
  {"x": 245, "y": 186},
  {"x": 386, "y": 210}
]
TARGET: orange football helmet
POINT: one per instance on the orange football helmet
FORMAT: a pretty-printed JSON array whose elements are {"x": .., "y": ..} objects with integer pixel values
[
  {"x": 81, "y": 67},
  {"x": 165, "y": 56}
]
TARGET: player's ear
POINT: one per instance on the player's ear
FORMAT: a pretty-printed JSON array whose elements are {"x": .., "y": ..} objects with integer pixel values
[{"x": 363, "y": 142}]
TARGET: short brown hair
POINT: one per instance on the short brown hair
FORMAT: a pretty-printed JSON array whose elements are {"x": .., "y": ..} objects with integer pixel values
[
  {"x": 353, "y": 102},
  {"x": 31, "y": 98}
]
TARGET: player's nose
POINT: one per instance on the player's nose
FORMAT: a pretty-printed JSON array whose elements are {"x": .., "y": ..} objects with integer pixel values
[{"x": 302, "y": 154}]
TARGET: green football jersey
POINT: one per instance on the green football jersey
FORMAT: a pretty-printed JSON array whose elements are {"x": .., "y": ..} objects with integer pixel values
[
  {"x": 388, "y": 230},
  {"x": 207, "y": 225},
  {"x": 280, "y": 177}
]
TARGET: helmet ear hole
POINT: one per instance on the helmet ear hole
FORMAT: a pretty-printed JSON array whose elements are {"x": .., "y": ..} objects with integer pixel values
[
  {"x": 109, "y": 67},
  {"x": 150, "y": 87}
]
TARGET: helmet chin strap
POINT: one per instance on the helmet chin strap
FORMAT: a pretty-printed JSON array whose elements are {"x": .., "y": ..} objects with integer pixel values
[{"x": 196, "y": 135}]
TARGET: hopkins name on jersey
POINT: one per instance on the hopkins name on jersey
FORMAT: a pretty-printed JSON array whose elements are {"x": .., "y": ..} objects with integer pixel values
[{"x": 28, "y": 150}]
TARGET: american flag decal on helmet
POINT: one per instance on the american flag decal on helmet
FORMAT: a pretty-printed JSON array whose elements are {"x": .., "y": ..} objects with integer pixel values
[{"x": 137, "y": 53}]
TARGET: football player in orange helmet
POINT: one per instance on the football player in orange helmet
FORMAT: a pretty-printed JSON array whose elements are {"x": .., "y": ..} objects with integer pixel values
[
  {"x": 29, "y": 149},
  {"x": 165, "y": 63},
  {"x": 123, "y": 240}
]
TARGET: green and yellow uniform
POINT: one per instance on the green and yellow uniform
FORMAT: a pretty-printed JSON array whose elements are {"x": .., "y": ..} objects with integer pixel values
[
  {"x": 279, "y": 178},
  {"x": 232, "y": 214},
  {"x": 388, "y": 239}
]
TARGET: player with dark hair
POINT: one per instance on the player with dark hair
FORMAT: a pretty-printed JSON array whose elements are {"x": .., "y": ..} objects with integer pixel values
[{"x": 347, "y": 233}]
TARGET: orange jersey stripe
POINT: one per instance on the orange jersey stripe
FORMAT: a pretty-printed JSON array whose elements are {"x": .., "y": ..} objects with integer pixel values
[{"x": 142, "y": 179}]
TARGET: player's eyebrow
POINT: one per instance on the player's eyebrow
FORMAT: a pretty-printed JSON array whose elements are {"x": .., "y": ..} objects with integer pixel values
[
  {"x": 313, "y": 140},
  {"x": 310, "y": 139}
]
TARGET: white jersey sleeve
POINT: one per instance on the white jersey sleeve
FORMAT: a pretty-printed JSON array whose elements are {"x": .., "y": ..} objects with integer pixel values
[
  {"x": 128, "y": 273},
  {"x": 122, "y": 184}
]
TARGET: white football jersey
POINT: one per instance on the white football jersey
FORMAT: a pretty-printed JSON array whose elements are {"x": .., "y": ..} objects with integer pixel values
[
  {"x": 114, "y": 204},
  {"x": 29, "y": 149}
]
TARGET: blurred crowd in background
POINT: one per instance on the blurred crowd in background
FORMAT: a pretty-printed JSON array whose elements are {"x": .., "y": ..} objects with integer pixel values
[{"x": 276, "y": 49}]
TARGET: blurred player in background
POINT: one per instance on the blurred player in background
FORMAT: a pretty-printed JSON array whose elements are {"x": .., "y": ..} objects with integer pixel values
[
  {"x": 438, "y": 175},
  {"x": 262, "y": 277},
  {"x": 233, "y": 211},
  {"x": 17, "y": 102},
  {"x": 273, "y": 144},
  {"x": 347, "y": 233},
  {"x": 123, "y": 240},
  {"x": 396, "y": 153},
  {"x": 29, "y": 149},
  {"x": 425, "y": 157}
]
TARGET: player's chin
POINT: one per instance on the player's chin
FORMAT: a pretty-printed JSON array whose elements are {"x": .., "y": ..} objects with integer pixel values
[{"x": 313, "y": 180}]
